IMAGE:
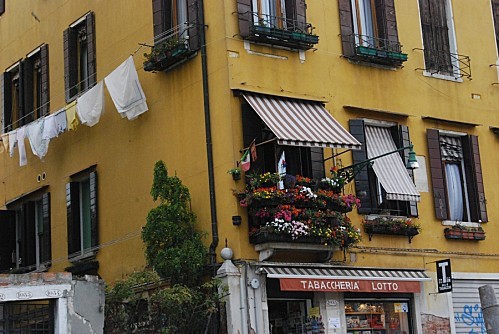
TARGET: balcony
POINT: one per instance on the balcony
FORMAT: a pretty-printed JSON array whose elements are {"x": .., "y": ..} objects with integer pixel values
[
  {"x": 441, "y": 62},
  {"x": 376, "y": 50},
  {"x": 171, "y": 49},
  {"x": 281, "y": 31}
]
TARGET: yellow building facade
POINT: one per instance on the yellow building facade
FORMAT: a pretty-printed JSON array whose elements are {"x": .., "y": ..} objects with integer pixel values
[{"x": 391, "y": 72}]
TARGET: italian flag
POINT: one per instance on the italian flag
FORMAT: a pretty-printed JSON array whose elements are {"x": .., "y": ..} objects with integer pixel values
[{"x": 245, "y": 161}]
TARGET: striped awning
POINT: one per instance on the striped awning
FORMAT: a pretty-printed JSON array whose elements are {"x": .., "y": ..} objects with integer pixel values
[
  {"x": 345, "y": 273},
  {"x": 390, "y": 170},
  {"x": 300, "y": 122}
]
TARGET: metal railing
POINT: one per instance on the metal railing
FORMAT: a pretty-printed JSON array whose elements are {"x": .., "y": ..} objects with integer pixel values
[
  {"x": 282, "y": 23},
  {"x": 446, "y": 63}
]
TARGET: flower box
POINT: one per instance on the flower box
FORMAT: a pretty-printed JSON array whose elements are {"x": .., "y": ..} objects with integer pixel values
[
  {"x": 163, "y": 59},
  {"x": 464, "y": 233},
  {"x": 391, "y": 225},
  {"x": 261, "y": 237}
]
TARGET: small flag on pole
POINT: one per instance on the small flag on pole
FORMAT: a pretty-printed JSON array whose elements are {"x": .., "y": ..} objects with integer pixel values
[
  {"x": 245, "y": 161},
  {"x": 252, "y": 149}
]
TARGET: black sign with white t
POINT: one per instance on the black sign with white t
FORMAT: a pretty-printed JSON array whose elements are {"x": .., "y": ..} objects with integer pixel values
[{"x": 444, "y": 276}]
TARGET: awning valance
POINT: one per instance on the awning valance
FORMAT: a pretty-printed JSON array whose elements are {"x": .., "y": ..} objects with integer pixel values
[
  {"x": 390, "y": 170},
  {"x": 300, "y": 122}
]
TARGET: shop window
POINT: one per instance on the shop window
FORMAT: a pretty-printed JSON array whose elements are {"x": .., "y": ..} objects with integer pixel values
[
  {"x": 456, "y": 175},
  {"x": 26, "y": 241},
  {"x": 378, "y": 317},
  {"x": 26, "y": 90},
  {"x": 304, "y": 161},
  {"x": 79, "y": 57},
  {"x": 81, "y": 204},
  {"x": 379, "y": 197}
]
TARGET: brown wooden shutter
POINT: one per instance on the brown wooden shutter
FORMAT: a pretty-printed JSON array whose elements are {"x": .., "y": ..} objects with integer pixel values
[
  {"x": 474, "y": 179},
  {"x": 70, "y": 64},
  {"x": 28, "y": 89},
  {"x": 91, "y": 40},
  {"x": 245, "y": 17},
  {"x": 405, "y": 140},
  {"x": 301, "y": 14},
  {"x": 317, "y": 162},
  {"x": 391, "y": 33},
  {"x": 21, "y": 112},
  {"x": 346, "y": 28},
  {"x": 157, "y": 17},
  {"x": 45, "y": 83},
  {"x": 7, "y": 239},
  {"x": 2, "y": 7},
  {"x": 73, "y": 217},
  {"x": 28, "y": 240},
  {"x": 362, "y": 178},
  {"x": 193, "y": 16},
  {"x": 46, "y": 242},
  {"x": 93, "y": 209},
  {"x": 7, "y": 101},
  {"x": 437, "y": 175},
  {"x": 495, "y": 14}
]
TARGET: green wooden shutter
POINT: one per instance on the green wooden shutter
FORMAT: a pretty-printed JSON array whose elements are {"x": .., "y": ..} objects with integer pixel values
[
  {"x": 28, "y": 240},
  {"x": 245, "y": 17},
  {"x": 474, "y": 179},
  {"x": 28, "y": 89},
  {"x": 93, "y": 209},
  {"x": 7, "y": 102},
  {"x": 193, "y": 16},
  {"x": 45, "y": 80},
  {"x": 7, "y": 239},
  {"x": 346, "y": 28},
  {"x": 437, "y": 174},
  {"x": 2, "y": 7},
  {"x": 91, "y": 59},
  {"x": 73, "y": 217},
  {"x": 46, "y": 242},
  {"x": 21, "y": 111},
  {"x": 317, "y": 162},
  {"x": 70, "y": 64},
  {"x": 362, "y": 178}
]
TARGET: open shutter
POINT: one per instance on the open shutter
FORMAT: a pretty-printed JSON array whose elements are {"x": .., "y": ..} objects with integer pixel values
[
  {"x": 7, "y": 102},
  {"x": 157, "y": 18},
  {"x": 93, "y": 209},
  {"x": 45, "y": 235},
  {"x": 362, "y": 178},
  {"x": 346, "y": 28},
  {"x": 70, "y": 64},
  {"x": 91, "y": 59},
  {"x": 245, "y": 17},
  {"x": 28, "y": 89},
  {"x": 437, "y": 175},
  {"x": 27, "y": 242},
  {"x": 73, "y": 217},
  {"x": 403, "y": 141},
  {"x": 193, "y": 16},
  {"x": 474, "y": 179},
  {"x": 7, "y": 239},
  {"x": 2, "y": 7},
  {"x": 45, "y": 91},
  {"x": 301, "y": 15},
  {"x": 495, "y": 14},
  {"x": 391, "y": 33},
  {"x": 21, "y": 112},
  {"x": 317, "y": 161}
]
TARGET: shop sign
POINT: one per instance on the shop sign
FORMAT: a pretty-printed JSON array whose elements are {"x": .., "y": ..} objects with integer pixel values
[
  {"x": 335, "y": 285},
  {"x": 444, "y": 276}
]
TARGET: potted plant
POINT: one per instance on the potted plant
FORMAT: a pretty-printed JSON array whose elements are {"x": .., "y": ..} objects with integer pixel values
[
  {"x": 235, "y": 172},
  {"x": 462, "y": 232}
]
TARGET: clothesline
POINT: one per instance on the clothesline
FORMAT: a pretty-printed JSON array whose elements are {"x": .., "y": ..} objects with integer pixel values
[{"x": 126, "y": 93}]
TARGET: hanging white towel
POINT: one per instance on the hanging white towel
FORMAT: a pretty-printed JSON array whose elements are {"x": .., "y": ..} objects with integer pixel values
[
  {"x": 21, "y": 134},
  {"x": 12, "y": 142},
  {"x": 125, "y": 90},
  {"x": 90, "y": 105},
  {"x": 39, "y": 146},
  {"x": 49, "y": 129},
  {"x": 61, "y": 121}
]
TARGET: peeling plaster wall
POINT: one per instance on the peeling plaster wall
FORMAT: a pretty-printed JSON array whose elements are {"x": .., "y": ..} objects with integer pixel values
[
  {"x": 86, "y": 306},
  {"x": 433, "y": 324}
]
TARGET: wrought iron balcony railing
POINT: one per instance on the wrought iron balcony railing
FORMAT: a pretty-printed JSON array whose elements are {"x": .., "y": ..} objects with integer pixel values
[
  {"x": 446, "y": 63},
  {"x": 376, "y": 50},
  {"x": 281, "y": 31}
]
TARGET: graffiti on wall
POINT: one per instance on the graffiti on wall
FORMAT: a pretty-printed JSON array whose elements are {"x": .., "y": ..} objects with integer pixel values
[{"x": 472, "y": 318}]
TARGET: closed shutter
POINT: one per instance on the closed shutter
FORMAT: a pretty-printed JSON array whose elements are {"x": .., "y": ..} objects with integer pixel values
[
  {"x": 45, "y": 83},
  {"x": 70, "y": 64},
  {"x": 495, "y": 14},
  {"x": 73, "y": 217},
  {"x": 93, "y": 209},
  {"x": 405, "y": 140},
  {"x": 157, "y": 17},
  {"x": 45, "y": 235},
  {"x": 317, "y": 162},
  {"x": 346, "y": 28},
  {"x": 91, "y": 59},
  {"x": 388, "y": 13},
  {"x": 28, "y": 90},
  {"x": 7, "y": 239},
  {"x": 245, "y": 17},
  {"x": 193, "y": 16},
  {"x": 7, "y": 101},
  {"x": 301, "y": 15},
  {"x": 437, "y": 175},
  {"x": 362, "y": 178},
  {"x": 467, "y": 306},
  {"x": 28, "y": 239},
  {"x": 474, "y": 179}
]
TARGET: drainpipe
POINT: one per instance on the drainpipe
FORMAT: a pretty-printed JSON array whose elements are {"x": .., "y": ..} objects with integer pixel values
[{"x": 209, "y": 147}]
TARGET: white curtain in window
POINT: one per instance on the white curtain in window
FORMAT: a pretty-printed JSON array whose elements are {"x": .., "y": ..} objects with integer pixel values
[
  {"x": 455, "y": 192},
  {"x": 363, "y": 22}
]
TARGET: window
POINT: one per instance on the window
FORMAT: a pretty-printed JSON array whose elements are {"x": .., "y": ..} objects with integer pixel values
[
  {"x": 81, "y": 204},
  {"x": 438, "y": 37},
  {"x": 369, "y": 31},
  {"x": 26, "y": 243},
  {"x": 79, "y": 57},
  {"x": 456, "y": 176},
  {"x": 377, "y": 188},
  {"x": 495, "y": 14},
  {"x": 26, "y": 90},
  {"x": 304, "y": 161}
]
